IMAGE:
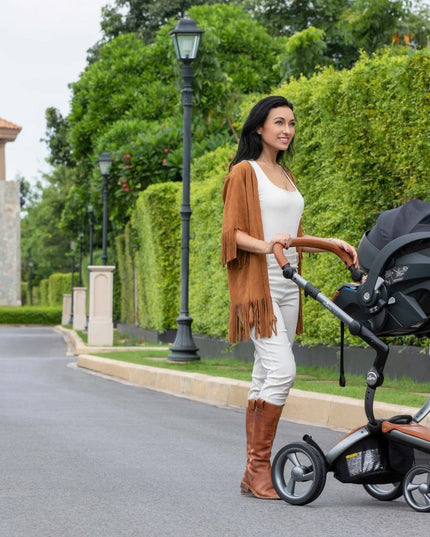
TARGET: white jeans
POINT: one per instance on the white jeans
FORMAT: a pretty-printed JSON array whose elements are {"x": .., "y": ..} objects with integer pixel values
[{"x": 274, "y": 368}]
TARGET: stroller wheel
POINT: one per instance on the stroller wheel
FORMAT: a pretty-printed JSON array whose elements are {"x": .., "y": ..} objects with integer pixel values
[
  {"x": 416, "y": 488},
  {"x": 385, "y": 493},
  {"x": 298, "y": 473}
]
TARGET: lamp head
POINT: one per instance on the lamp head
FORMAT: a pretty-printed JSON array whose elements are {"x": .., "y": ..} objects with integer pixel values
[
  {"x": 105, "y": 162},
  {"x": 186, "y": 39}
]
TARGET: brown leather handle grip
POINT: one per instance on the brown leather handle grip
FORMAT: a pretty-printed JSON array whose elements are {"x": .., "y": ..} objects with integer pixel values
[{"x": 315, "y": 242}]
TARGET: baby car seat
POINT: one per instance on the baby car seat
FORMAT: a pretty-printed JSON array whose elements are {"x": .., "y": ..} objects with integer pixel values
[{"x": 393, "y": 297}]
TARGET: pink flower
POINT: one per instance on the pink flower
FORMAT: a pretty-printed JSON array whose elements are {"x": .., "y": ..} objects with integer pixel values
[
  {"x": 164, "y": 161},
  {"x": 127, "y": 166},
  {"x": 127, "y": 156},
  {"x": 166, "y": 149}
]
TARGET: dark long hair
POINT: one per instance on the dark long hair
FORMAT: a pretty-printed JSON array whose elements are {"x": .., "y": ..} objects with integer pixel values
[{"x": 250, "y": 145}]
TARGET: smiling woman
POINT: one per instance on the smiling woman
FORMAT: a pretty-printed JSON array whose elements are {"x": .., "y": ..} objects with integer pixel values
[{"x": 262, "y": 207}]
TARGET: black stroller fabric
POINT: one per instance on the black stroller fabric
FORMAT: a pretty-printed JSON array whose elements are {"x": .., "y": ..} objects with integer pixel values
[
  {"x": 413, "y": 216},
  {"x": 394, "y": 297}
]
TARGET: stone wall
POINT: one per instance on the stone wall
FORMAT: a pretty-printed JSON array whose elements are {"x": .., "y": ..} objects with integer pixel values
[{"x": 10, "y": 244}]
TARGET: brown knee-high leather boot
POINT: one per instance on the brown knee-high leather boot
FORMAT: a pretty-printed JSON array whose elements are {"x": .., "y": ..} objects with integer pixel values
[
  {"x": 249, "y": 423},
  {"x": 257, "y": 479}
]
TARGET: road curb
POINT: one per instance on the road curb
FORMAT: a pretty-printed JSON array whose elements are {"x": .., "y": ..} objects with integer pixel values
[
  {"x": 323, "y": 410},
  {"x": 334, "y": 412}
]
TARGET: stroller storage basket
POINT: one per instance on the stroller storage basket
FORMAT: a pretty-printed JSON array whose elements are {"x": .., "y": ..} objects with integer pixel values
[{"x": 373, "y": 460}]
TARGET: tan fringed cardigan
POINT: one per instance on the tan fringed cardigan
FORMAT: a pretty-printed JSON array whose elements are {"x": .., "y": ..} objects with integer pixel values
[{"x": 248, "y": 280}]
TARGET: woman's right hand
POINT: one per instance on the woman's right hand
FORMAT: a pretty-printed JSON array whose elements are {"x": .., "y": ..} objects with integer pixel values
[
  {"x": 282, "y": 238},
  {"x": 251, "y": 244}
]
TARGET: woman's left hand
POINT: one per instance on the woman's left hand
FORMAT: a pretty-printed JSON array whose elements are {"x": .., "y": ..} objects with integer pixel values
[{"x": 348, "y": 248}]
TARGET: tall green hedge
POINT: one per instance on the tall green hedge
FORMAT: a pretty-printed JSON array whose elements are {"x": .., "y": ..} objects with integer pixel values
[
  {"x": 361, "y": 148},
  {"x": 156, "y": 221},
  {"x": 60, "y": 284},
  {"x": 44, "y": 292},
  {"x": 126, "y": 276}
]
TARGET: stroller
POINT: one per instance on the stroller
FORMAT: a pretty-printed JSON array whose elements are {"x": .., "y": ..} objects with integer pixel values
[{"x": 388, "y": 457}]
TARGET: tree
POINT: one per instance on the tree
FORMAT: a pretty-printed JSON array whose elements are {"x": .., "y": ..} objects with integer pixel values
[
  {"x": 348, "y": 25},
  {"x": 128, "y": 102},
  {"x": 24, "y": 191},
  {"x": 370, "y": 24},
  {"x": 42, "y": 238},
  {"x": 141, "y": 18},
  {"x": 304, "y": 52},
  {"x": 56, "y": 138}
]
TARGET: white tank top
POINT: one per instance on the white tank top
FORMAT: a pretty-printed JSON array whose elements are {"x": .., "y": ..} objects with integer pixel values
[{"x": 281, "y": 209}]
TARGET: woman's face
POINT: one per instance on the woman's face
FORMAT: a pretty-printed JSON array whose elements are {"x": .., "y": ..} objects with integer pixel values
[{"x": 278, "y": 130}]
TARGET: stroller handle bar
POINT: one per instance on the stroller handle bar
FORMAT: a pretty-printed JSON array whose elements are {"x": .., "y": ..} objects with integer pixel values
[
  {"x": 375, "y": 375},
  {"x": 322, "y": 244}
]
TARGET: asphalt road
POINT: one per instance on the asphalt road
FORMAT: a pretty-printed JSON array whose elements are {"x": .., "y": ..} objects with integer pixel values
[{"x": 82, "y": 455}]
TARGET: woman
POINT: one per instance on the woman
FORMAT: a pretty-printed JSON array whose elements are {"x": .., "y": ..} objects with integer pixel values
[{"x": 262, "y": 206}]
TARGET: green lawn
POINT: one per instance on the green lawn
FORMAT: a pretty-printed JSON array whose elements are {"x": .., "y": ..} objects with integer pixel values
[{"x": 402, "y": 392}]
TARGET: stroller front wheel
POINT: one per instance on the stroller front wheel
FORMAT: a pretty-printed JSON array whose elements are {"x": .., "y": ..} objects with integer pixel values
[
  {"x": 298, "y": 473},
  {"x": 416, "y": 488},
  {"x": 385, "y": 493}
]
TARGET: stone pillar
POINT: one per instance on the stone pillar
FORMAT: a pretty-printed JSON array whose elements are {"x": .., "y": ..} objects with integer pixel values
[
  {"x": 10, "y": 244},
  {"x": 100, "y": 325},
  {"x": 79, "y": 308},
  {"x": 67, "y": 307}
]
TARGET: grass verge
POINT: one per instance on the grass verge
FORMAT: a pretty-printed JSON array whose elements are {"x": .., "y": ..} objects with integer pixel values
[
  {"x": 322, "y": 380},
  {"x": 120, "y": 340}
]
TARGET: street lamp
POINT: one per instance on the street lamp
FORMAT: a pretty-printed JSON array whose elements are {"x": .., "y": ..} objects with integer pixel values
[
  {"x": 72, "y": 257},
  {"x": 105, "y": 162},
  {"x": 186, "y": 39}
]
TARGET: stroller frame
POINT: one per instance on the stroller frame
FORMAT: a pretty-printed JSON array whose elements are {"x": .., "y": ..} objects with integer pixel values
[{"x": 379, "y": 455}]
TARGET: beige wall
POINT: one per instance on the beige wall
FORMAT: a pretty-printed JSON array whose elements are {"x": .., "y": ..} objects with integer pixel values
[{"x": 10, "y": 244}]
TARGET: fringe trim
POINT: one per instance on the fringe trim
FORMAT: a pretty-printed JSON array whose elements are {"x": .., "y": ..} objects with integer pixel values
[
  {"x": 257, "y": 314},
  {"x": 231, "y": 254},
  {"x": 228, "y": 246}
]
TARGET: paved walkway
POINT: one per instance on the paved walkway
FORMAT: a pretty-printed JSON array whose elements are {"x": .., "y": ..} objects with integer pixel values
[{"x": 319, "y": 409}]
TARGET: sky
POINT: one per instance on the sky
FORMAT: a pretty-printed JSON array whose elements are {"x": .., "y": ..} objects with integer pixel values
[{"x": 43, "y": 48}]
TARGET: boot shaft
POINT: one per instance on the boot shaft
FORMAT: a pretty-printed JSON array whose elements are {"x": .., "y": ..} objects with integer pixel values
[{"x": 266, "y": 421}]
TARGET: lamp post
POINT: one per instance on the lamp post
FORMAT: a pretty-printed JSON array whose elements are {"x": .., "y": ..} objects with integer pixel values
[
  {"x": 30, "y": 281},
  {"x": 186, "y": 39},
  {"x": 105, "y": 162},
  {"x": 80, "y": 236},
  {"x": 90, "y": 241},
  {"x": 91, "y": 231},
  {"x": 72, "y": 257}
]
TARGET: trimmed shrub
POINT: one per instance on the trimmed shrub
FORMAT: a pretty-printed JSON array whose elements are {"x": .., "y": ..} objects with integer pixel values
[{"x": 30, "y": 315}]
